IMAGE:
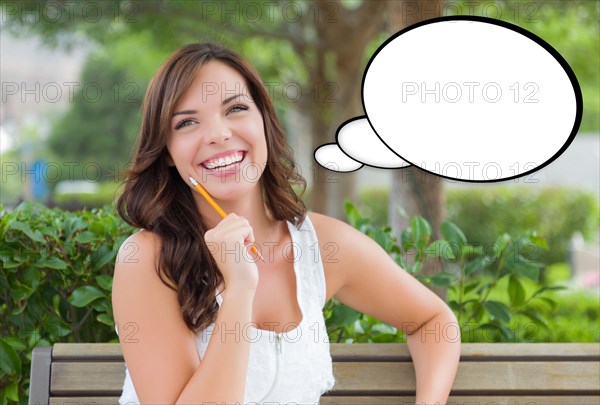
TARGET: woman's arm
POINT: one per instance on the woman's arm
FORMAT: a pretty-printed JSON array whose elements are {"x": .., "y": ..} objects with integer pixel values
[
  {"x": 435, "y": 350},
  {"x": 159, "y": 350},
  {"x": 372, "y": 283},
  {"x": 221, "y": 376}
]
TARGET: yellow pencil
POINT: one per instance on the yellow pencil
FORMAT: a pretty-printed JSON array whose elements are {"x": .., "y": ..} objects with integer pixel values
[{"x": 219, "y": 210}]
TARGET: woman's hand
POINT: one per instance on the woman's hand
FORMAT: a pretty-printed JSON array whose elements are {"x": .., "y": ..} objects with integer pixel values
[{"x": 227, "y": 244}]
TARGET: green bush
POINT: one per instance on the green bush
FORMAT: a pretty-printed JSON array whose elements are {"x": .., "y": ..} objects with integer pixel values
[
  {"x": 56, "y": 278},
  {"x": 56, "y": 272},
  {"x": 482, "y": 214},
  {"x": 466, "y": 267},
  {"x": 573, "y": 317},
  {"x": 374, "y": 204},
  {"x": 555, "y": 213}
]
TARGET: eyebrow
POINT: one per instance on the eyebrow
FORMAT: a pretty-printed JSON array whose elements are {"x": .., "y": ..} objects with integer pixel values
[{"x": 187, "y": 112}]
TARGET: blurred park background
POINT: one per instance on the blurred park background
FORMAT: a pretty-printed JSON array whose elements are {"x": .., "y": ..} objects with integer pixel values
[{"x": 73, "y": 78}]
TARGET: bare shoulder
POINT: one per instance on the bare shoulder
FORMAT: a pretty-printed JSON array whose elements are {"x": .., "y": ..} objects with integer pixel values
[
  {"x": 334, "y": 231},
  {"x": 324, "y": 225},
  {"x": 138, "y": 254},
  {"x": 135, "y": 273},
  {"x": 141, "y": 242},
  {"x": 158, "y": 348}
]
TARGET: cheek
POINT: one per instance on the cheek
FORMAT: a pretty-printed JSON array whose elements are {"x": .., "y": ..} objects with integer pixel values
[{"x": 180, "y": 153}]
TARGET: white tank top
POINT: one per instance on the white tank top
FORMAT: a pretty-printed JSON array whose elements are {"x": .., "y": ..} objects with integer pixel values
[{"x": 293, "y": 366}]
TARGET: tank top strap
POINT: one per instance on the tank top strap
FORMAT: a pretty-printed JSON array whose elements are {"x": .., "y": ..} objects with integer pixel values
[{"x": 308, "y": 257}]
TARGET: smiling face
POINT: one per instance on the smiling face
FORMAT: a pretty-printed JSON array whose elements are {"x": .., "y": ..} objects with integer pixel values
[{"x": 215, "y": 124}]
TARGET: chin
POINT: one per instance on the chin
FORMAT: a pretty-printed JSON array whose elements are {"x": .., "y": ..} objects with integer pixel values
[{"x": 230, "y": 191}]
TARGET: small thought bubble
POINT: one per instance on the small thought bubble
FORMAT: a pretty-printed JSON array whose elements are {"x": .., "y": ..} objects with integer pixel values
[
  {"x": 331, "y": 157},
  {"x": 467, "y": 98}
]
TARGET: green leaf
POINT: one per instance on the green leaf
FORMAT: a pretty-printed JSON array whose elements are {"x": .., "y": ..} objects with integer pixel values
[
  {"x": 72, "y": 225},
  {"x": 508, "y": 333},
  {"x": 516, "y": 292},
  {"x": 535, "y": 317},
  {"x": 470, "y": 287},
  {"x": 455, "y": 237},
  {"x": 51, "y": 263},
  {"x": 97, "y": 228},
  {"x": 24, "y": 227},
  {"x": 498, "y": 310},
  {"x": 549, "y": 288},
  {"x": 421, "y": 230},
  {"x": 454, "y": 305},
  {"x": 56, "y": 304},
  {"x": 105, "y": 282},
  {"x": 417, "y": 266},
  {"x": 16, "y": 343},
  {"x": 440, "y": 248},
  {"x": 9, "y": 264},
  {"x": 20, "y": 293},
  {"x": 106, "y": 319},
  {"x": 442, "y": 279},
  {"x": 85, "y": 237},
  {"x": 101, "y": 305},
  {"x": 526, "y": 270},
  {"x": 56, "y": 330},
  {"x": 9, "y": 359},
  {"x": 343, "y": 315},
  {"x": 552, "y": 303},
  {"x": 49, "y": 231},
  {"x": 84, "y": 295},
  {"x": 381, "y": 238},
  {"x": 12, "y": 392},
  {"x": 351, "y": 213},
  {"x": 474, "y": 265},
  {"x": 103, "y": 256},
  {"x": 31, "y": 278},
  {"x": 406, "y": 240},
  {"x": 478, "y": 311}
]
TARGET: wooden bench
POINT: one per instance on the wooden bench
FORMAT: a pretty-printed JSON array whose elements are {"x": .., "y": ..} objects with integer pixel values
[{"x": 377, "y": 374}]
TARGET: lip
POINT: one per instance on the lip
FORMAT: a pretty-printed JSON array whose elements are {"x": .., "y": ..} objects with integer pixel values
[{"x": 222, "y": 154}]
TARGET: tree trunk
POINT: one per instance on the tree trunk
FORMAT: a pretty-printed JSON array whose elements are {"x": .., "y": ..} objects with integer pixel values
[
  {"x": 336, "y": 75},
  {"x": 414, "y": 190}
]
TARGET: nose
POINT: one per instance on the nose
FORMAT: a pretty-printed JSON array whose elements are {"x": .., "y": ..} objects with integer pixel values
[{"x": 219, "y": 132}]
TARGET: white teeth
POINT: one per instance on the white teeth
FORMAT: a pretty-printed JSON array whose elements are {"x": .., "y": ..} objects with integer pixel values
[{"x": 236, "y": 157}]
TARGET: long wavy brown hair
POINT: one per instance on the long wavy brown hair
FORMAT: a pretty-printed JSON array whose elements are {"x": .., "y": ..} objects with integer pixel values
[{"x": 156, "y": 198}]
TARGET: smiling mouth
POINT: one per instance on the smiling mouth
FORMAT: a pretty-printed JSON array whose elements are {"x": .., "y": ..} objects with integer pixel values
[{"x": 225, "y": 167}]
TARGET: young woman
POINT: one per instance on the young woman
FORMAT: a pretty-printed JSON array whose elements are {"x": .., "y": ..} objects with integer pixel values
[{"x": 202, "y": 319}]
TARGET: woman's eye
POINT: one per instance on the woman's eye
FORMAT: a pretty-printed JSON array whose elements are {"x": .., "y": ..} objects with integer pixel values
[
  {"x": 239, "y": 107},
  {"x": 184, "y": 123},
  {"x": 187, "y": 122}
]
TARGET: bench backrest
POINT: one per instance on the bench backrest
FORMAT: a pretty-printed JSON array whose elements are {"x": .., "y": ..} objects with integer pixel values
[{"x": 377, "y": 374}]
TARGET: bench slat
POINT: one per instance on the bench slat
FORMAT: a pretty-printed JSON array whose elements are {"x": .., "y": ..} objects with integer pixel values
[
  {"x": 376, "y": 378},
  {"x": 388, "y": 400},
  {"x": 380, "y": 351}
]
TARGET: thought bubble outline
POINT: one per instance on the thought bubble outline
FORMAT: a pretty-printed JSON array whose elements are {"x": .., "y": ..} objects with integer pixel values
[
  {"x": 358, "y": 118},
  {"x": 566, "y": 69},
  {"x": 341, "y": 150}
]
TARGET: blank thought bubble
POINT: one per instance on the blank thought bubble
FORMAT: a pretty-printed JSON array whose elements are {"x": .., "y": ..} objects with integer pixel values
[{"x": 467, "y": 98}]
